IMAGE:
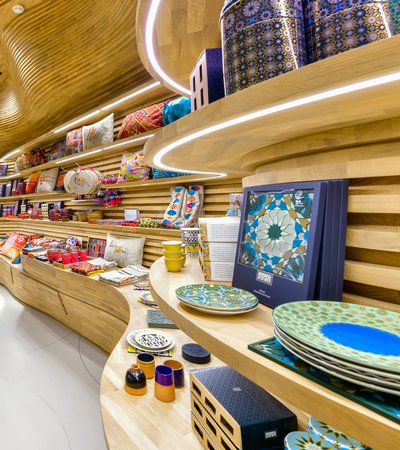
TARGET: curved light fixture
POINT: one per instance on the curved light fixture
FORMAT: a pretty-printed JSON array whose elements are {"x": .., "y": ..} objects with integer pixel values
[
  {"x": 7, "y": 155},
  {"x": 151, "y": 18},
  {"x": 324, "y": 95}
]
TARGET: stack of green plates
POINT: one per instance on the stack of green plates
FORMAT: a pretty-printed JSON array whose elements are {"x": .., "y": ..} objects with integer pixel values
[
  {"x": 357, "y": 343},
  {"x": 217, "y": 299}
]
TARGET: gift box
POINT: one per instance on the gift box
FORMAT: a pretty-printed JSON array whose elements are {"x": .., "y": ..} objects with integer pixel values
[
  {"x": 217, "y": 251},
  {"x": 219, "y": 229}
]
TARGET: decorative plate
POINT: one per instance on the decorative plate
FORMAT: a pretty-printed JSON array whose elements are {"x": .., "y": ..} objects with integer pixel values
[
  {"x": 217, "y": 312},
  {"x": 216, "y": 297},
  {"x": 341, "y": 363},
  {"x": 341, "y": 372},
  {"x": 152, "y": 339},
  {"x": 148, "y": 298},
  {"x": 132, "y": 341},
  {"x": 361, "y": 334},
  {"x": 336, "y": 373},
  {"x": 301, "y": 440},
  {"x": 320, "y": 430}
]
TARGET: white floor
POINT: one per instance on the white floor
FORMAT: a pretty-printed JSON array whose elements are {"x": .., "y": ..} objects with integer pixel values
[{"x": 49, "y": 383}]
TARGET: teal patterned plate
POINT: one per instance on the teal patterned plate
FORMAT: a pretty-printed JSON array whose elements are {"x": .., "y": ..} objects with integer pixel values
[
  {"x": 361, "y": 334},
  {"x": 216, "y": 297},
  {"x": 301, "y": 440}
]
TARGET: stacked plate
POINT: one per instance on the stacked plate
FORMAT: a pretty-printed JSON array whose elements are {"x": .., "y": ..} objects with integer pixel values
[
  {"x": 356, "y": 343},
  {"x": 217, "y": 299},
  {"x": 150, "y": 341}
]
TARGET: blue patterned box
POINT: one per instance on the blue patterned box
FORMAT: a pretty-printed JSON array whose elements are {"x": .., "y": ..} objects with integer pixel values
[
  {"x": 335, "y": 26},
  {"x": 260, "y": 39},
  {"x": 207, "y": 79},
  {"x": 394, "y": 6}
]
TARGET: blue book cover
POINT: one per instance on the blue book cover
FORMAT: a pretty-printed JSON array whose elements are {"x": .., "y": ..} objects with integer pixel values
[
  {"x": 279, "y": 241},
  {"x": 341, "y": 244}
]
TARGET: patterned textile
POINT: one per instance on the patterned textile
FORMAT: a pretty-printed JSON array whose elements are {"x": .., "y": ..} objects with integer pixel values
[
  {"x": 32, "y": 183},
  {"x": 133, "y": 167},
  {"x": 74, "y": 141},
  {"x": 99, "y": 133},
  {"x": 261, "y": 40},
  {"x": 158, "y": 173},
  {"x": 194, "y": 202},
  {"x": 141, "y": 121},
  {"x": 14, "y": 245},
  {"x": 60, "y": 182},
  {"x": 335, "y": 26},
  {"x": 57, "y": 151},
  {"x": 176, "y": 109},
  {"x": 178, "y": 196},
  {"x": 394, "y": 6}
]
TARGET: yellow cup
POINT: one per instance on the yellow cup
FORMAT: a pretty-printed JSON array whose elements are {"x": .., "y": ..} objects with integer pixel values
[
  {"x": 172, "y": 246},
  {"x": 176, "y": 255},
  {"x": 174, "y": 265}
]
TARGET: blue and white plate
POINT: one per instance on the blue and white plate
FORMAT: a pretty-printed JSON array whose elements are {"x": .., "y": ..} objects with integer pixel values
[{"x": 301, "y": 440}]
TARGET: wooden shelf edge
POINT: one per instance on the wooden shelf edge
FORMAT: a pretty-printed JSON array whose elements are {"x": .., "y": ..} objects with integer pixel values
[
  {"x": 227, "y": 338},
  {"x": 225, "y": 149}
]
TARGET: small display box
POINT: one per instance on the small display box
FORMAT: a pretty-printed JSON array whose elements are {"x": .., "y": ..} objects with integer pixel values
[
  {"x": 234, "y": 413},
  {"x": 207, "y": 79}
]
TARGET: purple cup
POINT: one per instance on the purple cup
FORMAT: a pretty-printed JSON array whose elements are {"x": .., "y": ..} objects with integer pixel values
[{"x": 164, "y": 375}]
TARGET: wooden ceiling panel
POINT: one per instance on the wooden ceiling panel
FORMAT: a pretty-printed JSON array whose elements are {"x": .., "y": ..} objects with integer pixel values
[{"x": 60, "y": 59}]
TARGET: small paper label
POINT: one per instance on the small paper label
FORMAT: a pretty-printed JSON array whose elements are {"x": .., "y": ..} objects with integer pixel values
[{"x": 264, "y": 277}]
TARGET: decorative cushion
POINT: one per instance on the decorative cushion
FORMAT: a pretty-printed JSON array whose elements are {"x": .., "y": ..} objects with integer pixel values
[
  {"x": 125, "y": 251},
  {"x": 37, "y": 157},
  {"x": 14, "y": 245},
  {"x": 133, "y": 167},
  {"x": 47, "y": 180},
  {"x": 57, "y": 151},
  {"x": 176, "y": 109},
  {"x": 141, "y": 121},
  {"x": 99, "y": 133},
  {"x": 32, "y": 183},
  {"x": 74, "y": 141}
]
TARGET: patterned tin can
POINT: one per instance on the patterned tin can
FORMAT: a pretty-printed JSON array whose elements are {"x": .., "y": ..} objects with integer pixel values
[
  {"x": 260, "y": 39},
  {"x": 335, "y": 26},
  {"x": 394, "y": 6}
]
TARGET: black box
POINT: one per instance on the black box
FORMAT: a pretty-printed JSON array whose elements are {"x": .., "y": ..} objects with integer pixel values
[{"x": 249, "y": 416}]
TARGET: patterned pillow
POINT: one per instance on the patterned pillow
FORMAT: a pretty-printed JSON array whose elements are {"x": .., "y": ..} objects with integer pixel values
[
  {"x": 47, "y": 180},
  {"x": 99, "y": 133},
  {"x": 60, "y": 182},
  {"x": 158, "y": 173},
  {"x": 14, "y": 245},
  {"x": 32, "y": 183},
  {"x": 133, "y": 167},
  {"x": 124, "y": 251},
  {"x": 57, "y": 151},
  {"x": 74, "y": 141},
  {"x": 142, "y": 121}
]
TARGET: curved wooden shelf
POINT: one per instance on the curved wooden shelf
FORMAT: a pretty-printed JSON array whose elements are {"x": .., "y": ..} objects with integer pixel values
[
  {"x": 239, "y": 148},
  {"x": 182, "y": 30},
  {"x": 228, "y": 338},
  {"x": 105, "y": 314},
  {"x": 78, "y": 158},
  {"x": 53, "y": 195}
]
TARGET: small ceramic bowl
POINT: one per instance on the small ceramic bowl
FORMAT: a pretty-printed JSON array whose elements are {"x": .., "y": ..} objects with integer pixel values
[
  {"x": 176, "y": 255},
  {"x": 164, "y": 387},
  {"x": 147, "y": 364},
  {"x": 174, "y": 265},
  {"x": 177, "y": 367},
  {"x": 172, "y": 246}
]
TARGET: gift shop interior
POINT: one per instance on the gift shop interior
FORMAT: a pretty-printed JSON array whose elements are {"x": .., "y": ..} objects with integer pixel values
[{"x": 199, "y": 224}]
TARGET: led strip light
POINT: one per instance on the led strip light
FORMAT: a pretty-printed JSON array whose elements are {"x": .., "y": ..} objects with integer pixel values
[
  {"x": 347, "y": 89},
  {"x": 151, "y": 18}
]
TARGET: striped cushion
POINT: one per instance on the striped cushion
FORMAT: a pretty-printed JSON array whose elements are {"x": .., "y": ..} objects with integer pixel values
[{"x": 142, "y": 121}]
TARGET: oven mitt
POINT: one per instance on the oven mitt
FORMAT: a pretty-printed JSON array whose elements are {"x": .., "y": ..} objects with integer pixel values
[
  {"x": 178, "y": 199},
  {"x": 189, "y": 214}
]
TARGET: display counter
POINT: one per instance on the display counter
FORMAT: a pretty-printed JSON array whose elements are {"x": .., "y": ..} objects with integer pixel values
[
  {"x": 228, "y": 338},
  {"x": 105, "y": 314}
]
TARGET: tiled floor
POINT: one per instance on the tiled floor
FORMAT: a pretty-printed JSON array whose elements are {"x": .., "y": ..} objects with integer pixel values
[{"x": 49, "y": 383}]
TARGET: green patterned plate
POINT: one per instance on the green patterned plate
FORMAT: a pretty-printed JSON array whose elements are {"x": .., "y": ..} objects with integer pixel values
[
  {"x": 216, "y": 297},
  {"x": 360, "y": 334}
]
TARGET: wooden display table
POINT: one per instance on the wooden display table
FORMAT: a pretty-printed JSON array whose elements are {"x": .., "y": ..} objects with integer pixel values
[
  {"x": 228, "y": 338},
  {"x": 103, "y": 313}
]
